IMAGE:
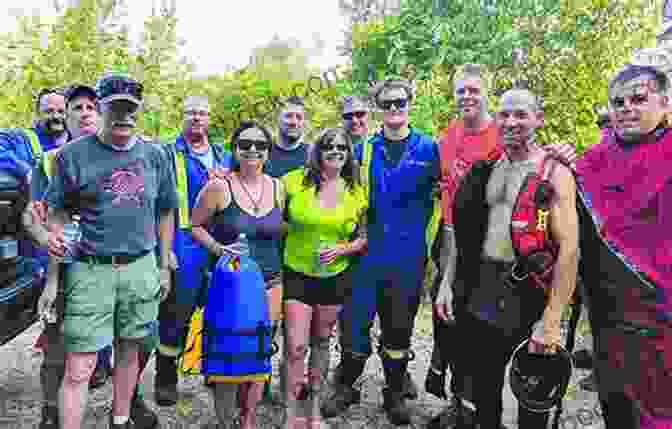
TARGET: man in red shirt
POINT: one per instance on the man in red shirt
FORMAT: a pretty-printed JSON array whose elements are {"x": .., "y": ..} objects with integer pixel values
[{"x": 470, "y": 138}]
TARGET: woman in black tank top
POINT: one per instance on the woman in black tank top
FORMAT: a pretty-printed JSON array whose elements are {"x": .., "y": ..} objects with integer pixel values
[{"x": 251, "y": 203}]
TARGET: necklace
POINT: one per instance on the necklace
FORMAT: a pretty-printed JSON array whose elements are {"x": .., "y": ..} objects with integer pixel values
[{"x": 257, "y": 203}]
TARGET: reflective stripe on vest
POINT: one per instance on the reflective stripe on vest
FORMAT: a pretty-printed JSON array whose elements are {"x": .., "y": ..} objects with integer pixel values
[
  {"x": 34, "y": 143},
  {"x": 435, "y": 220},
  {"x": 181, "y": 188},
  {"x": 48, "y": 164}
]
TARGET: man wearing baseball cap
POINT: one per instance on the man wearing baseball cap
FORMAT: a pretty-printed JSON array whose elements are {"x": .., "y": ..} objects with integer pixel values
[
  {"x": 81, "y": 119},
  {"x": 356, "y": 117},
  {"x": 113, "y": 288}
]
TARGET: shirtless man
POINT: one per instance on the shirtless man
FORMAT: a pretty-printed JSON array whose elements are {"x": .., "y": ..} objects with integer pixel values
[{"x": 495, "y": 319}]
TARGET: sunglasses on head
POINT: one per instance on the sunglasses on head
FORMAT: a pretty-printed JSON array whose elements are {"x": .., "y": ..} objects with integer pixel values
[
  {"x": 400, "y": 103},
  {"x": 257, "y": 144},
  {"x": 120, "y": 86},
  {"x": 328, "y": 147},
  {"x": 349, "y": 116}
]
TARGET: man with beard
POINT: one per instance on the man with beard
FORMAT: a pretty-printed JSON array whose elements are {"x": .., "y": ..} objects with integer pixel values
[
  {"x": 400, "y": 169},
  {"x": 289, "y": 151},
  {"x": 112, "y": 289},
  {"x": 472, "y": 137},
  {"x": 194, "y": 160},
  {"x": 625, "y": 191},
  {"x": 22, "y": 149},
  {"x": 493, "y": 319}
]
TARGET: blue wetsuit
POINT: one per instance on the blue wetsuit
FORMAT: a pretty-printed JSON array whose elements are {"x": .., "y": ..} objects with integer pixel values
[{"x": 389, "y": 278}]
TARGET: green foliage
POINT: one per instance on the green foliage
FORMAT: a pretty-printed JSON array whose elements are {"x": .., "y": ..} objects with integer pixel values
[{"x": 572, "y": 47}]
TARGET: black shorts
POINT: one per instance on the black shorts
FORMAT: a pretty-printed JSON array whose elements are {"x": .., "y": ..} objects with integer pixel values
[{"x": 316, "y": 290}]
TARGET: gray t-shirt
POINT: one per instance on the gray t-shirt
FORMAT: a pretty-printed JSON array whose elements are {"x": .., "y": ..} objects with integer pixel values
[{"x": 119, "y": 193}]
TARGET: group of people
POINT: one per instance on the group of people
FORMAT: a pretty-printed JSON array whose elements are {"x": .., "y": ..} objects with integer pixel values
[{"x": 342, "y": 230}]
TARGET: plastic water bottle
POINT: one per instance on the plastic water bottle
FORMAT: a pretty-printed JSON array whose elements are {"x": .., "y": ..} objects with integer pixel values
[
  {"x": 72, "y": 234},
  {"x": 321, "y": 268},
  {"x": 242, "y": 245}
]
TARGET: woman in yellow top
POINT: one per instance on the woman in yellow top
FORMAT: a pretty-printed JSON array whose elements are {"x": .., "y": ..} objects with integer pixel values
[{"x": 325, "y": 202}]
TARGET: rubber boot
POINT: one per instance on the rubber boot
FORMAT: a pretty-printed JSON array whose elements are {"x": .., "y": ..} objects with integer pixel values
[
  {"x": 49, "y": 418},
  {"x": 344, "y": 394},
  {"x": 143, "y": 417},
  {"x": 394, "y": 402},
  {"x": 165, "y": 382}
]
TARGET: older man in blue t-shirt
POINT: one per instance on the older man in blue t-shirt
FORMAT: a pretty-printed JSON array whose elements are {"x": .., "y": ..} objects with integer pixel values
[{"x": 112, "y": 290}]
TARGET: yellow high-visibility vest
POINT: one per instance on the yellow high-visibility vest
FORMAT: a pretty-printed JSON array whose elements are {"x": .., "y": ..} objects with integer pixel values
[
  {"x": 34, "y": 143},
  {"x": 48, "y": 163},
  {"x": 182, "y": 190}
]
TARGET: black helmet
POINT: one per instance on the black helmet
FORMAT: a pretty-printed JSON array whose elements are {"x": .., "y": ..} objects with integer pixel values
[{"x": 539, "y": 381}]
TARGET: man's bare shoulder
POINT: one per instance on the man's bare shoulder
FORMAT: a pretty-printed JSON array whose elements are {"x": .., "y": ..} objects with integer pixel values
[{"x": 563, "y": 181}]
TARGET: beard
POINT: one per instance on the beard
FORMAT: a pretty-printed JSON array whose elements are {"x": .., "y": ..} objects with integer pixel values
[{"x": 54, "y": 125}]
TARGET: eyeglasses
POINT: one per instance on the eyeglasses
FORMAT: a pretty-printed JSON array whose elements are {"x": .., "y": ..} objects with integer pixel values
[
  {"x": 349, "y": 116},
  {"x": 328, "y": 147},
  {"x": 193, "y": 113},
  {"x": 116, "y": 86},
  {"x": 248, "y": 144},
  {"x": 400, "y": 103}
]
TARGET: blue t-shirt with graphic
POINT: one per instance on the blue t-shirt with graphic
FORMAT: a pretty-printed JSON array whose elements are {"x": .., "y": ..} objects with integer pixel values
[{"x": 119, "y": 194}]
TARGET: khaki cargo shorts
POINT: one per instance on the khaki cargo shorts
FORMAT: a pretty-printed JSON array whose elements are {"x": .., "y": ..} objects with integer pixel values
[{"x": 106, "y": 302}]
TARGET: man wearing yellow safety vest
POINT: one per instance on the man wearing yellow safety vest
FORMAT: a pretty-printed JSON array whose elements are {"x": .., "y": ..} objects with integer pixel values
[
  {"x": 21, "y": 149},
  {"x": 194, "y": 161},
  {"x": 400, "y": 169}
]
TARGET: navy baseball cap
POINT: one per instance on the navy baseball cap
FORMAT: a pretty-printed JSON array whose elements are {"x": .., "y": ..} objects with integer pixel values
[{"x": 80, "y": 91}]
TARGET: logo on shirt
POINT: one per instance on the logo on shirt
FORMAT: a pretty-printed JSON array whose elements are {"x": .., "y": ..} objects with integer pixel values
[{"x": 127, "y": 183}]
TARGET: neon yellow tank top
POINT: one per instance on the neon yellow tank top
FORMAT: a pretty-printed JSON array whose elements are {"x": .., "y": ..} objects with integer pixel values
[{"x": 310, "y": 226}]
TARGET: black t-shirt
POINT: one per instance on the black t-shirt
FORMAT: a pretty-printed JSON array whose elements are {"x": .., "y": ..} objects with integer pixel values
[
  {"x": 394, "y": 150},
  {"x": 282, "y": 161}
]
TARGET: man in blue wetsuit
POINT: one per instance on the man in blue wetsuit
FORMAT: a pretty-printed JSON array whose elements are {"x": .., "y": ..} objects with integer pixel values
[{"x": 400, "y": 168}]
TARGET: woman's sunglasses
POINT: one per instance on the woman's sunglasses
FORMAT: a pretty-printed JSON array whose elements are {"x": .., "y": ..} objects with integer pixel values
[
  {"x": 349, "y": 116},
  {"x": 328, "y": 147},
  {"x": 248, "y": 144}
]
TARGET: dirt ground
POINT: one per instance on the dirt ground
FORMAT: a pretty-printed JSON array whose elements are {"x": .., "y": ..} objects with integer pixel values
[{"x": 20, "y": 393}]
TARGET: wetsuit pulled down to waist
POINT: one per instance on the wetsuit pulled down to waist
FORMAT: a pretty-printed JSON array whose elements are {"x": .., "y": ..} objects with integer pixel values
[{"x": 510, "y": 305}]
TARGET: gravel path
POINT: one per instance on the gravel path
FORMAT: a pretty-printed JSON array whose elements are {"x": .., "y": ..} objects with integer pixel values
[{"x": 20, "y": 393}]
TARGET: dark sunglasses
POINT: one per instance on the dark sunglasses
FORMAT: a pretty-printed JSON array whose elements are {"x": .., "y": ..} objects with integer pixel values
[
  {"x": 111, "y": 87},
  {"x": 328, "y": 147},
  {"x": 248, "y": 144},
  {"x": 400, "y": 103},
  {"x": 349, "y": 116}
]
